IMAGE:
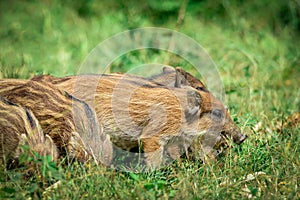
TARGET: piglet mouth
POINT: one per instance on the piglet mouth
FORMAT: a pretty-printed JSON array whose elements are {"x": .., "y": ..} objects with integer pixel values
[
  {"x": 241, "y": 139},
  {"x": 237, "y": 137}
]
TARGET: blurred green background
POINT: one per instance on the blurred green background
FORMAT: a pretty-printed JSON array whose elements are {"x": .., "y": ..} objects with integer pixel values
[
  {"x": 55, "y": 36},
  {"x": 255, "y": 46}
]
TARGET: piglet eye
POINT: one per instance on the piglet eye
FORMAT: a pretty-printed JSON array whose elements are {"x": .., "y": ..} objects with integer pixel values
[
  {"x": 201, "y": 89},
  {"x": 217, "y": 114}
]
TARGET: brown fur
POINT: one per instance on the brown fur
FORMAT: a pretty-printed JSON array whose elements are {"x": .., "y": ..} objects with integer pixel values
[
  {"x": 68, "y": 121},
  {"x": 8, "y": 84},
  {"x": 162, "y": 116},
  {"x": 19, "y": 126}
]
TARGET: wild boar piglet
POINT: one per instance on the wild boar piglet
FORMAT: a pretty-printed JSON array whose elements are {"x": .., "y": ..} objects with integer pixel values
[
  {"x": 70, "y": 122},
  {"x": 18, "y": 127},
  {"x": 169, "y": 114}
]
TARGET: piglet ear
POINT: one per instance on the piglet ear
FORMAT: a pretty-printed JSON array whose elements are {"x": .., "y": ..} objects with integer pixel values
[
  {"x": 184, "y": 78},
  {"x": 193, "y": 105},
  {"x": 168, "y": 69},
  {"x": 180, "y": 78}
]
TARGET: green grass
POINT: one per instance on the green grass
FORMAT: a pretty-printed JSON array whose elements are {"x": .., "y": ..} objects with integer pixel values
[{"x": 255, "y": 51}]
